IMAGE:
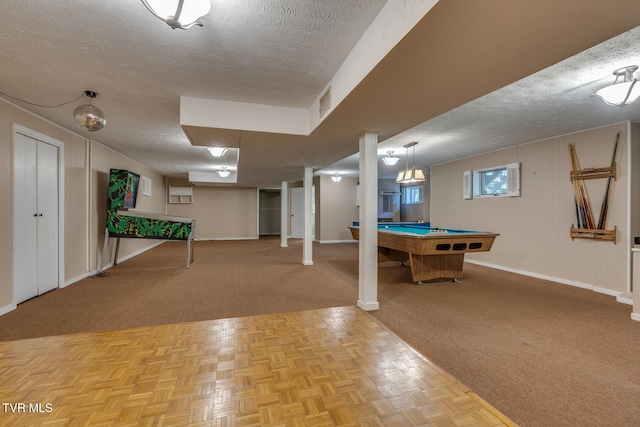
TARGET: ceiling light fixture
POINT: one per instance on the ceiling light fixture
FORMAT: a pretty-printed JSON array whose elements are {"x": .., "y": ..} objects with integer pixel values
[
  {"x": 414, "y": 174},
  {"x": 217, "y": 151},
  {"x": 182, "y": 14},
  {"x": 390, "y": 159},
  {"x": 224, "y": 172},
  {"x": 89, "y": 116},
  {"x": 621, "y": 93},
  {"x": 336, "y": 177}
]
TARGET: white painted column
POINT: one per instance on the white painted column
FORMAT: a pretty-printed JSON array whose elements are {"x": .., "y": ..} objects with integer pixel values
[
  {"x": 368, "y": 243},
  {"x": 284, "y": 214},
  {"x": 307, "y": 258}
]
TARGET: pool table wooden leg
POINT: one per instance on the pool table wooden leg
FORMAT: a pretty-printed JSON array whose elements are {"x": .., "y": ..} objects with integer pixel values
[{"x": 426, "y": 267}]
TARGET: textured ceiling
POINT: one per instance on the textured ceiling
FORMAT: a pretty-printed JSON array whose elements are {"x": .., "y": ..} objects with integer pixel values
[
  {"x": 555, "y": 101},
  {"x": 284, "y": 52}
]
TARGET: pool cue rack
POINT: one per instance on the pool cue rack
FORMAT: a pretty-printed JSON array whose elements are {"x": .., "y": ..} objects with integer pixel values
[
  {"x": 587, "y": 227},
  {"x": 593, "y": 233}
]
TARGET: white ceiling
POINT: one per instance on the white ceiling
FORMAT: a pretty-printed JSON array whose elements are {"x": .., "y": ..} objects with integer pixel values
[{"x": 284, "y": 52}]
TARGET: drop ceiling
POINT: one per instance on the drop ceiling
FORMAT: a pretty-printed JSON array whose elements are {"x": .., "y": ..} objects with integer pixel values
[{"x": 469, "y": 77}]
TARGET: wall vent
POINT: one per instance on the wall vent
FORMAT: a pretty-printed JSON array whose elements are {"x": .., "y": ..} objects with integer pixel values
[{"x": 325, "y": 102}]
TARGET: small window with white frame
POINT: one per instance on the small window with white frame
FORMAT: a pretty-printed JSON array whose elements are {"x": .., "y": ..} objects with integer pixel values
[
  {"x": 500, "y": 181},
  {"x": 413, "y": 195}
]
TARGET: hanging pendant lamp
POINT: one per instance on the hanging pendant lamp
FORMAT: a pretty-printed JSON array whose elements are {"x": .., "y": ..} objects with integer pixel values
[
  {"x": 89, "y": 116},
  {"x": 414, "y": 174}
]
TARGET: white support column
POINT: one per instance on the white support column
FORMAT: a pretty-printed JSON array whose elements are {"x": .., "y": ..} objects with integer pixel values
[
  {"x": 307, "y": 258},
  {"x": 284, "y": 214},
  {"x": 368, "y": 243}
]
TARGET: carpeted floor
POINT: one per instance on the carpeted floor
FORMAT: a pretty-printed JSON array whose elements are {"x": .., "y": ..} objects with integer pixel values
[{"x": 543, "y": 353}]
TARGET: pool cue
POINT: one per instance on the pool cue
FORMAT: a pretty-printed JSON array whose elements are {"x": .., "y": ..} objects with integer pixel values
[
  {"x": 583, "y": 195},
  {"x": 576, "y": 194},
  {"x": 605, "y": 201}
]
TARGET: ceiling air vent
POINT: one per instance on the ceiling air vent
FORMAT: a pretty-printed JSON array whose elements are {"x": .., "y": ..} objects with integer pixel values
[{"x": 325, "y": 102}]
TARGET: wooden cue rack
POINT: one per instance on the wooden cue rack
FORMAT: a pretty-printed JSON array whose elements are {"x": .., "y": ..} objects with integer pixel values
[{"x": 578, "y": 176}]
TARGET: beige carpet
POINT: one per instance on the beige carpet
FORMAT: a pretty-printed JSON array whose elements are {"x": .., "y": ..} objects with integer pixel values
[{"x": 544, "y": 354}]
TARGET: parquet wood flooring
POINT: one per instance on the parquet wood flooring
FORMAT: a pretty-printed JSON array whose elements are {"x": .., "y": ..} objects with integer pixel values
[{"x": 325, "y": 367}]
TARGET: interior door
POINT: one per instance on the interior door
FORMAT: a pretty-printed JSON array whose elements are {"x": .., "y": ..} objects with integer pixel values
[
  {"x": 25, "y": 220},
  {"x": 35, "y": 208},
  {"x": 297, "y": 213},
  {"x": 47, "y": 227}
]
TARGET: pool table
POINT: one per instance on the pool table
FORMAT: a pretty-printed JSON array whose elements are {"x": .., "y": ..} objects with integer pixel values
[{"x": 433, "y": 253}]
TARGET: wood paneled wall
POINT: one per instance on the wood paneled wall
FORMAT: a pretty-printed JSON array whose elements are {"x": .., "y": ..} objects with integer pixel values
[{"x": 534, "y": 228}]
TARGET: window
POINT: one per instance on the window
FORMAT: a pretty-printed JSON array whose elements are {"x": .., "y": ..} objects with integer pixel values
[
  {"x": 491, "y": 182},
  {"x": 412, "y": 195}
]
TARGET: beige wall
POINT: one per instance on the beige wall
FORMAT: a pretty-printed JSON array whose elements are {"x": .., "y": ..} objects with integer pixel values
[
  {"x": 220, "y": 212},
  {"x": 534, "y": 228},
  {"x": 336, "y": 208},
  {"x": 86, "y": 166}
]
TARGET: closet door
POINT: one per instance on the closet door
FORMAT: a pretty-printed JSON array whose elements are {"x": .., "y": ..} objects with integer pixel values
[
  {"x": 47, "y": 227},
  {"x": 35, "y": 217}
]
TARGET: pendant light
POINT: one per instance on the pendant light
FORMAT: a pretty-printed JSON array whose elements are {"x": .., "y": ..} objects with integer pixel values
[
  {"x": 89, "y": 116},
  {"x": 414, "y": 174}
]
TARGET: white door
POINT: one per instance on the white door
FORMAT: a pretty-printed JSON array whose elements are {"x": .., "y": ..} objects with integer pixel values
[
  {"x": 35, "y": 217},
  {"x": 297, "y": 213}
]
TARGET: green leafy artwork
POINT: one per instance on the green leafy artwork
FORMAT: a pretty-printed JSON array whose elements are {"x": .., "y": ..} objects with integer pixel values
[{"x": 122, "y": 192}]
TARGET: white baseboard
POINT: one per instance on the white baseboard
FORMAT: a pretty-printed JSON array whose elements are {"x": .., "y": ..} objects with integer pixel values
[
  {"x": 7, "y": 308},
  {"x": 336, "y": 241},
  {"x": 555, "y": 279},
  {"x": 82, "y": 276},
  {"x": 625, "y": 298},
  {"x": 369, "y": 306},
  {"x": 225, "y": 238},
  {"x": 635, "y": 316}
]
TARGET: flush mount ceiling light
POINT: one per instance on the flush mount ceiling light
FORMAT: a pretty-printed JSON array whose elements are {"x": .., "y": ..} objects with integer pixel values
[
  {"x": 390, "y": 159},
  {"x": 336, "y": 177},
  {"x": 89, "y": 116},
  {"x": 217, "y": 151},
  {"x": 182, "y": 14},
  {"x": 224, "y": 172},
  {"x": 624, "y": 92},
  {"x": 414, "y": 174}
]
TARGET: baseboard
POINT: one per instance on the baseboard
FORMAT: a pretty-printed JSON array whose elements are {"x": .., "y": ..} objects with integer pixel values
[
  {"x": 206, "y": 239},
  {"x": 581, "y": 285},
  {"x": 336, "y": 241},
  {"x": 7, "y": 308},
  {"x": 635, "y": 316},
  {"x": 369, "y": 306},
  {"x": 82, "y": 276},
  {"x": 625, "y": 298}
]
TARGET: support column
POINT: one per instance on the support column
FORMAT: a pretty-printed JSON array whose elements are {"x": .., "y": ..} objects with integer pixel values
[
  {"x": 368, "y": 239},
  {"x": 307, "y": 258},
  {"x": 284, "y": 214}
]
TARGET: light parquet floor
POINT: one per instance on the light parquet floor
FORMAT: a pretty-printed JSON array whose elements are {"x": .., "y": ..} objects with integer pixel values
[{"x": 324, "y": 367}]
